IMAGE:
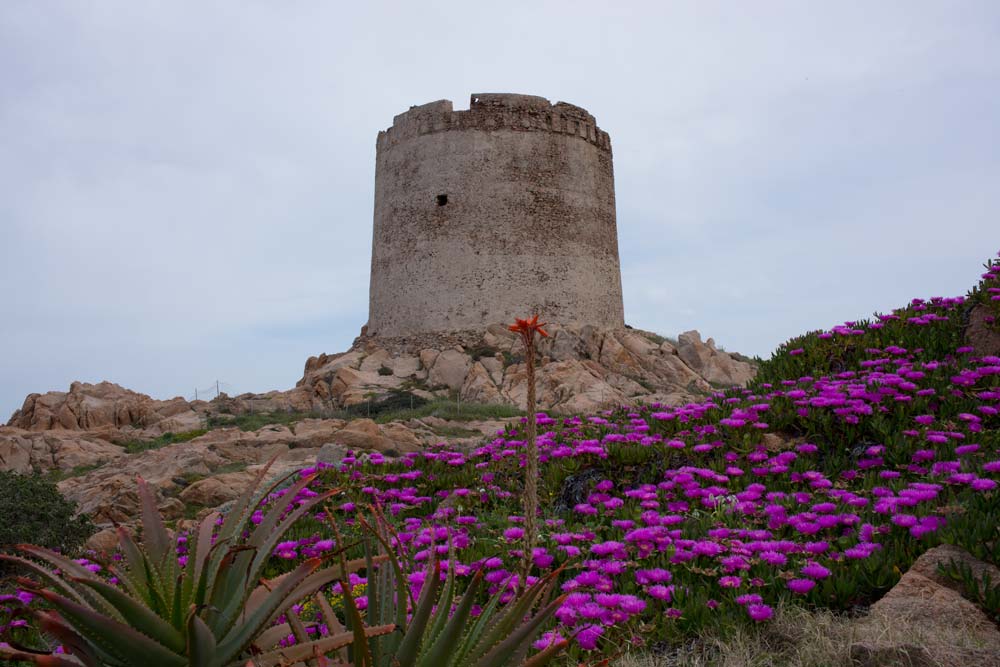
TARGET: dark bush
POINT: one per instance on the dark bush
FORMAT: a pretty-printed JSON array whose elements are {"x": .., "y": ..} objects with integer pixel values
[{"x": 32, "y": 510}]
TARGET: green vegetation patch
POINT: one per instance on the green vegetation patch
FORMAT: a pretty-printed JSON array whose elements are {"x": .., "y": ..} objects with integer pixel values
[{"x": 168, "y": 438}]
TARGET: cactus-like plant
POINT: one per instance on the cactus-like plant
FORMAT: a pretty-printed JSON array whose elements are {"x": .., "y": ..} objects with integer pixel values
[
  {"x": 442, "y": 631},
  {"x": 436, "y": 630},
  {"x": 213, "y": 611}
]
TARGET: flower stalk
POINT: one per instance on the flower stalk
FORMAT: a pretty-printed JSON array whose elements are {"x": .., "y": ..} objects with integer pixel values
[{"x": 526, "y": 329}]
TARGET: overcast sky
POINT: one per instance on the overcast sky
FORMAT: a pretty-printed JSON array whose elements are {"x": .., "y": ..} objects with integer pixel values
[{"x": 186, "y": 187}]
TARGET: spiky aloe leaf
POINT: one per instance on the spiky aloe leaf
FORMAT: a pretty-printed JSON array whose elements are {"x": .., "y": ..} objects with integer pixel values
[
  {"x": 362, "y": 652},
  {"x": 198, "y": 555},
  {"x": 138, "y": 615},
  {"x": 264, "y": 544},
  {"x": 240, "y": 636},
  {"x": 544, "y": 656},
  {"x": 299, "y": 631},
  {"x": 443, "y": 604},
  {"x": 232, "y": 526},
  {"x": 393, "y": 605},
  {"x": 241, "y": 510},
  {"x": 493, "y": 625},
  {"x": 226, "y": 598},
  {"x": 201, "y": 646},
  {"x": 73, "y": 643},
  {"x": 268, "y": 638},
  {"x": 45, "y": 573},
  {"x": 154, "y": 532},
  {"x": 414, "y": 634},
  {"x": 42, "y": 659},
  {"x": 505, "y": 622},
  {"x": 136, "y": 575},
  {"x": 520, "y": 637},
  {"x": 402, "y": 590},
  {"x": 66, "y": 568},
  {"x": 373, "y": 614},
  {"x": 322, "y": 577},
  {"x": 117, "y": 639},
  {"x": 316, "y": 647},
  {"x": 471, "y": 640},
  {"x": 231, "y": 592},
  {"x": 444, "y": 645},
  {"x": 333, "y": 625},
  {"x": 160, "y": 557},
  {"x": 266, "y": 527}
]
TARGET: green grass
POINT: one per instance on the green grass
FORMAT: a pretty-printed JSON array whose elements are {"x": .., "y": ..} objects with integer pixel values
[
  {"x": 452, "y": 411},
  {"x": 258, "y": 420},
  {"x": 56, "y": 476},
  {"x": 392, "y": 408},
  {"x": 658, "y": 339},
  {"x": 168, "y": 438},
  {"x": 456, "y": 432}
]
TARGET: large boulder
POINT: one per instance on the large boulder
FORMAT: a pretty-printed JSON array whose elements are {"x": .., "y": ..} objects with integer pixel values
[
  {"x": 403, "y": 439},
  {"x": 952, "y": 631},
  {"x": 42, "y": 451},
  {"x": 479, "y": 385},
  {"x": 450, "y": 368},
  {"x": 363, "y": 434},
  {"x": 105, "y": 405},
  {"x": 218, "y": 489},
  {"x": 716, "y": 366},
  {"x": 983, "y": 332},
  {"x": 316, "y": 432}
]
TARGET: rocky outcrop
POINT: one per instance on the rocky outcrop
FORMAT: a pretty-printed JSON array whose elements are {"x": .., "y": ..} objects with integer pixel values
[
  {"x": 216, "y": 467},
  {"x": 28, "y": 451},
  {"x": 983, "y": 332},
  {"x": 108, "y": 408},
  {"x": 580, "y": 369},
  {"x": 931, "y": 606},
  {"x": 716, "y": 366}
]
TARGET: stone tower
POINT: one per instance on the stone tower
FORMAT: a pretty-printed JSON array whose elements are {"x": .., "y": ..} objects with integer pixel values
[{"x": 497, "y": 212}]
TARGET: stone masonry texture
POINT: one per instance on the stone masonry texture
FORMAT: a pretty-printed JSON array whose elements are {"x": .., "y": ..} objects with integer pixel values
[{"x": 501, "y": 211}]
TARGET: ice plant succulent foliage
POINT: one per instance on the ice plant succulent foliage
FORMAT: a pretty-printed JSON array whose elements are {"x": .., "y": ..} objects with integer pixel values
[
  {"x": 526, "y": 329},
  {"x": 157, "y": 610}
]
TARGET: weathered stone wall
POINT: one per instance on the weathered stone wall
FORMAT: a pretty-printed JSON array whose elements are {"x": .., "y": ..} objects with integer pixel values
[{"x": 500, "y": 211}]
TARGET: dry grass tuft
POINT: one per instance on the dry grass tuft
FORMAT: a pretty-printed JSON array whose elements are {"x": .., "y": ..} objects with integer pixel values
[{"x": 797, "y": 637}]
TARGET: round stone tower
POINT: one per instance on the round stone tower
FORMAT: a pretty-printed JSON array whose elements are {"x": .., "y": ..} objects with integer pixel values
[{"x": 501, "y": 211}]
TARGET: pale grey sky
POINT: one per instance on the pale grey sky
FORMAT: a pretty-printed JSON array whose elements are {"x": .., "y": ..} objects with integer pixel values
[{"x": 186, "y": 187}]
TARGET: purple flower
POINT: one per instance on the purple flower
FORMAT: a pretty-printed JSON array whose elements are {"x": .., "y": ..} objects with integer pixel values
[
  {"x": 982, "y": 484},
  {"x": 588, "y": 635},
  {"x": 660, "y": 592},
  {"x": 814, "y": 570},
  {"x": 513, "y": 534},
  {"x": 759, "y": 612},
  {"x": 801, "y": 586}
]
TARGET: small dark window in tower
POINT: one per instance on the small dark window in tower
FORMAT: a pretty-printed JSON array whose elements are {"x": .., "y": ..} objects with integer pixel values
[{"x": 442, "y": 200}]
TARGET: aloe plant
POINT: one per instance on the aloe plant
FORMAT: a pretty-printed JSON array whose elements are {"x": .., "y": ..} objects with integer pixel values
[
  {"x": 212, "y": 612},
  {"x": 442, "y": 632}
]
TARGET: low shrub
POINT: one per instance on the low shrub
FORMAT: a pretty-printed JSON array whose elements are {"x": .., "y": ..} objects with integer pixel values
[{"x": 33, "y": 510}]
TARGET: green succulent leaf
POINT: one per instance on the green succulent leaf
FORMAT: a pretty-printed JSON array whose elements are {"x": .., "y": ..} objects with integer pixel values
[
  {"x": 315, "y": 648},
  {"x": 414, "y": 634},
  {"x": 138, "y": 615},
  {"x": 251, "y": 624},
  {"x": 127, "y": 645},
  {"x": 201, "y": 648},
  {"x": 154, "y": 532},
  {"x": 444, "y": 646}
]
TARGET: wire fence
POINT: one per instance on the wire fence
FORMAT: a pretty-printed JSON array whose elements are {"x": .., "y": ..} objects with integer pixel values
[{"x": 213, "y": 390}]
